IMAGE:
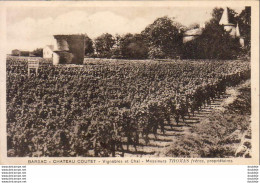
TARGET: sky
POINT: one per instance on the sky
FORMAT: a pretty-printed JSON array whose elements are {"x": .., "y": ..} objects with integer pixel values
[{"x": 33, "y": 27}]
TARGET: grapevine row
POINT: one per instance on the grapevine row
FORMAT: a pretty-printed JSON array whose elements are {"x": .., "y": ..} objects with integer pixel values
[{"x": 103, "y": 107}]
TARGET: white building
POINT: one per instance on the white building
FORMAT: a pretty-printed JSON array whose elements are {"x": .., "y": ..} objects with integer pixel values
[
  {"x": 55, "y": 60},
  {"x": 191, "y": 34},
  {"x": 48, "y": 51},
  {"x": 231, "y": 26},
  {"x": 228, "y": 25}
]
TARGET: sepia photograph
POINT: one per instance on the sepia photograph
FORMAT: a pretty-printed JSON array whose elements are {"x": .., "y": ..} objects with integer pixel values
[{"x": 142, "y": 81}]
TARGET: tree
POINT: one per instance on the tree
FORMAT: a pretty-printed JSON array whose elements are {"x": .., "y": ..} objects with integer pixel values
[
  {"x": 216, "y": 15},
  {"x": 133, "y": 46},
  {"x": 116, "y": 51},
  {"x": 38, "y": 52},
  {"x": 89, "y": 49},
  {"x": 214, "y": 42},
  {"x": 244, "y": 22},
  {"x": 163, "y": 38},
  {"x": 103, "y": 45}
]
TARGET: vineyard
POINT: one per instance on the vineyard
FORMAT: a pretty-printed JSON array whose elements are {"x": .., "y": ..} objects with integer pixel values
[{"x": 104, "y": 107}]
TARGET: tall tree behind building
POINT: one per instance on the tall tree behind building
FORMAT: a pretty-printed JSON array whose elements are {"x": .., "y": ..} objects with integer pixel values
[
  {"x": 103, "y": 45},
  {"x": 38, "y": 52},
  {"x": 163, "y": 38},
  {"x": 244, "y": 21},
  {"x": 133, "y": 46},
  {"x": 214, "y": 42},
  {"x": 89, "y": 49}
]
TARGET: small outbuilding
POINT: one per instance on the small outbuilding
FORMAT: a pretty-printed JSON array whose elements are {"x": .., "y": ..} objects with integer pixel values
[{"x": 15, "y": 52}]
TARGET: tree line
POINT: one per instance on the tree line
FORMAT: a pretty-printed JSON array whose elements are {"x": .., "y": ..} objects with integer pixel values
[
  {"x": 216, "y": 43},
  {"x": 163, "y": 39}
]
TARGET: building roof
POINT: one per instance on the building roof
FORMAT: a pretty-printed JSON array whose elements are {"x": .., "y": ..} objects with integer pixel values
[
  {"x": 74, "y": 36},
  {"x": 50, "y": 46},
  {"x": 225, "y": 19},
  {"x": 193, "y": 32}
]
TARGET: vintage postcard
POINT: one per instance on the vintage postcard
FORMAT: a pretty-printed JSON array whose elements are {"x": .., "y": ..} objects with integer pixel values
[{"x": 160, "y": 82}]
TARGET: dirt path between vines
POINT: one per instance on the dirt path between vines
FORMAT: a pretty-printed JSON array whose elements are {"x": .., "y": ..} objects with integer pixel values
[{"x": 159, "y": 144}]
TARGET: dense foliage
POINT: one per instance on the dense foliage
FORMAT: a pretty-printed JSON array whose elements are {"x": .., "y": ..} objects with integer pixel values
[
  {"x": 38, "y": 52},
  {"x": 133, "y": 46},
  {"x": 98, "y": 108},
  {"x": 89, "y": 48},
  {"x": 103, "y": 45},
  {"x": 244, "y": 21},
  {"x": 163, "y": 39},
  {"x": 213, "y": 43}
]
